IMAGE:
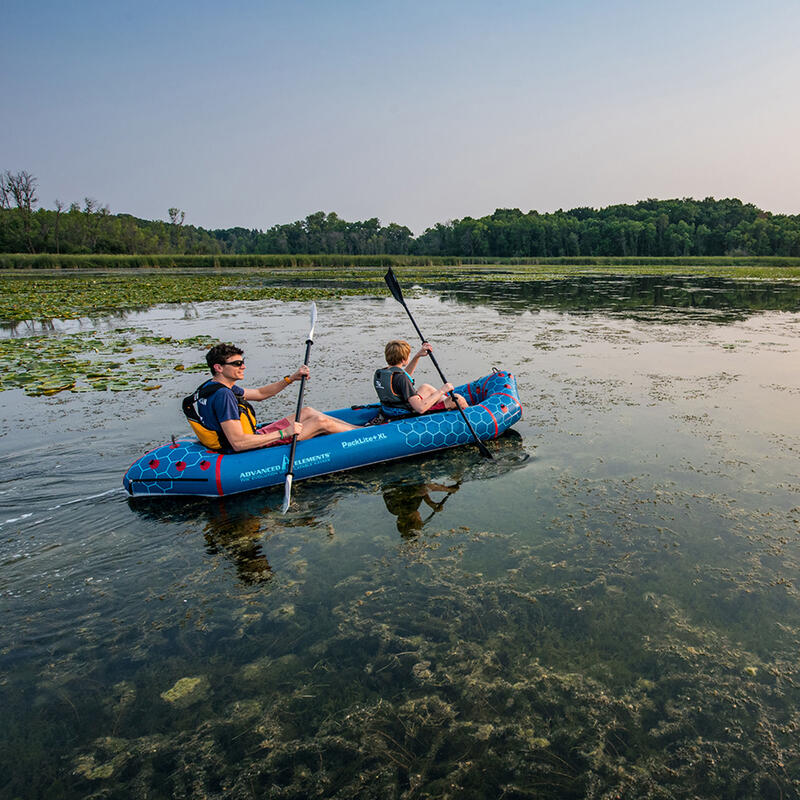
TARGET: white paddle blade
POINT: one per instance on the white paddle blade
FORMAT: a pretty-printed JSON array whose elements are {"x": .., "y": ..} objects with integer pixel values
[
  {"x": 287, "y": 493},
  {"x": 313, "y": 321}
]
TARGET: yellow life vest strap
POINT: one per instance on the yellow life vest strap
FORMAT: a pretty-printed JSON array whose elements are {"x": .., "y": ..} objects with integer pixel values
[{"x": 215, "y": 440}]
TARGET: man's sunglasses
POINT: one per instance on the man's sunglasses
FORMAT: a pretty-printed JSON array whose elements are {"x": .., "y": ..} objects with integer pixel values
[{"x": 238, "y": 363}]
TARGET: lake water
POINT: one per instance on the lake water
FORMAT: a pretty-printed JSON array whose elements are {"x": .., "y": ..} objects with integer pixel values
[{"x": 609, "y": 609}]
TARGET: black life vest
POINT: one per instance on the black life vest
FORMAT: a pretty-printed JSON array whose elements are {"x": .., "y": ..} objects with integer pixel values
[
  {"x": 392, "y": 404},
  {"x": 216, "y": 440}
]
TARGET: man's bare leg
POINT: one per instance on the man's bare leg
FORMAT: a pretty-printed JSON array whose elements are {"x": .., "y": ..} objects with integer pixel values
[{"x": 315, "y": 423}]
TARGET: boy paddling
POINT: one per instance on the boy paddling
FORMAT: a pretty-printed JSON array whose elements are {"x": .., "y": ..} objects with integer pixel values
[{"x": 396, "y": 389}]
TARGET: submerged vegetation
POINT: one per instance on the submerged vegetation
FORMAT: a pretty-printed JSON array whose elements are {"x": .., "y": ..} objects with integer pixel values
[{"x": 474, "y": 663}]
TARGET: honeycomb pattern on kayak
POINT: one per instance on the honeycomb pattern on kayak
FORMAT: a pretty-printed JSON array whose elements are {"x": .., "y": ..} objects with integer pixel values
[
  {"x": 441, "y": 430},
  {"x": 446, "y": 430},
  {"x": 169, "y": 462}
]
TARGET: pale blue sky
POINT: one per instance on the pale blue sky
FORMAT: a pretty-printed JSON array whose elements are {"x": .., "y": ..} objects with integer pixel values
[{"x": 256, "y": 113}]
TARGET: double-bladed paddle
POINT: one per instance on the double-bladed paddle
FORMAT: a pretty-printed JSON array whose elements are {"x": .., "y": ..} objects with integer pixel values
[
  {"x": 287, "y": 486},
  {"x": 397, "y": 293}
]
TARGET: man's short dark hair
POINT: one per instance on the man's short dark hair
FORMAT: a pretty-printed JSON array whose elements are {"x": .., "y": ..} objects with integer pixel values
[{"x": 220, "y": 353}]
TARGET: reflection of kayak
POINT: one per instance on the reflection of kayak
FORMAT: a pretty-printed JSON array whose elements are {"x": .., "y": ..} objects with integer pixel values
[{"x": 188, "y": 468}]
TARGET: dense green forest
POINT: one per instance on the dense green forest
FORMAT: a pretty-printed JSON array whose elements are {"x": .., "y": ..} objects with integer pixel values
[{"x": 649, "y": 228}]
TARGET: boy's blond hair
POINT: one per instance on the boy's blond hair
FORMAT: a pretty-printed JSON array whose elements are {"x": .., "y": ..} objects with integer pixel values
[{"x": 396, "y": 351}]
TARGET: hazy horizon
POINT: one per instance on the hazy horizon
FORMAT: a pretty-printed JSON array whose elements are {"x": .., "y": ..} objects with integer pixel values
[{"x": 259, "y": 114}]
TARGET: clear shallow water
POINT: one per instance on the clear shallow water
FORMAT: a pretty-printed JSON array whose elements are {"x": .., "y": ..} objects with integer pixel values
[{"x": 611, "y": 607}]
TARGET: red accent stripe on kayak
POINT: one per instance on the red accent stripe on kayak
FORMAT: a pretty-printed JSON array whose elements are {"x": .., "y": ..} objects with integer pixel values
[
  {"x": 494, "y": 419},
  {"x": 506, "y": 394},
  {"x": 217, "y": 470}
]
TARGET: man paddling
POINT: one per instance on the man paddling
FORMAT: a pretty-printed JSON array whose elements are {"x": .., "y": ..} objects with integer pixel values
[{"x": 223, "y": 419}]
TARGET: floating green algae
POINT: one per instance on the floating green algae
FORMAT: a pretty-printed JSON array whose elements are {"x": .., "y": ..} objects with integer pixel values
[
  {"x": 93, "y": 361},
  {"x": 55, "y": 295},
  {"x": 76, "y": 296}
]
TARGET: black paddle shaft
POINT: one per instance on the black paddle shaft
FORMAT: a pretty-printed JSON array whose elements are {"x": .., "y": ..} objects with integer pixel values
[
  {"x": 397, "y": 293},
  {"x": 300, "y": 394},
  {"x": 431, "y": 356}
]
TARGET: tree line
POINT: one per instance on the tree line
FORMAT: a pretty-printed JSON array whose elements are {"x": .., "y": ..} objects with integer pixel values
[{"x": 649, "y": 228}]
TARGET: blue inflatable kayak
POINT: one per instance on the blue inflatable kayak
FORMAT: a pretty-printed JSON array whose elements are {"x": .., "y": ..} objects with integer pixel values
[{"x": 185, "y": 467}]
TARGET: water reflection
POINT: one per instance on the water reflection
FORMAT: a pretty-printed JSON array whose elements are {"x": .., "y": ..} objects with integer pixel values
[
  {"x": 735, "y": 299},
  {"x": 404, "y": 500},
  {"x": 91, "y": 322},
  {"x": 239, "y": 527},
  {"x": 39, "y": 327},
  {"x": 236, "y": 527},
  {"x": 238, "y": 535},
  {"x": 619, "y": 293}
]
